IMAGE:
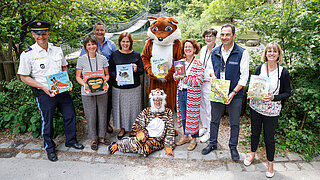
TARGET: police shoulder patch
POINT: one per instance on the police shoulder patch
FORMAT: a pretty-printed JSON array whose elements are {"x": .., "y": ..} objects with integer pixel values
[
  {"x": 28, "y": 49},
  {"x": 55, "y": 44}
]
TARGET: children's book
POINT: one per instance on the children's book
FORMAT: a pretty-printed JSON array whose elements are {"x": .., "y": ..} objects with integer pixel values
[
  {"x": 95, "y": 81},
  {"x": 180, "y": 67},
  {"x": 124, "y": 74},
  {"x": 219, "y": 90},
  {"x": 258, "y": 87},
  {"x": 59, "y": 83},
  {"x": 159, "y": 66}
]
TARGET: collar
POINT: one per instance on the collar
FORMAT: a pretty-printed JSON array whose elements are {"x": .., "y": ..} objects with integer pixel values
[
  {"x": 39, "y": 48},
  {"x": 229, "y": 51}
]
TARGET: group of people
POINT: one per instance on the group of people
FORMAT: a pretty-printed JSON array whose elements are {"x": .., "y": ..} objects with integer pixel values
[{"x": 152, "y": 129}]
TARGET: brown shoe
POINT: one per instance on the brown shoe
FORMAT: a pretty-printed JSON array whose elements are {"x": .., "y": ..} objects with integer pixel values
[
  {"x": 94, "y": 145},
  {"x": 182, "y": 141},
  {"x": 192, "y": 145},
  {"x": 103, "y": 141}
]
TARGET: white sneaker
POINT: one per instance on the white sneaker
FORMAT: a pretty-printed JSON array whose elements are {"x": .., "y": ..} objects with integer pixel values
[
  {"x": 269, "y": 174},
  {"x": 205, "y": 137},
  {"x": 202, "y": 132}
]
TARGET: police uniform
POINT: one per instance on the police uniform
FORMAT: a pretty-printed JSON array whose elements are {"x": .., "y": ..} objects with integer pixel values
[{"x": 38, "y": 63}]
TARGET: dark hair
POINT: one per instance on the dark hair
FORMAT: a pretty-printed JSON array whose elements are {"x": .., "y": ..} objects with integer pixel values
[
  {"x": 194, "y": 44},
  {"x": 89, "y": 38},
  {"x": 209, "y": 32},
  {"x": 99, "y": 23},
  {"x": 231, "y": 26},
  {"x": 123, "y": 35}
]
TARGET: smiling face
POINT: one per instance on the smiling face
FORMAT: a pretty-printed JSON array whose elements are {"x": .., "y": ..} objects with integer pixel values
[
  {"x": 157, "y": 103},
  {"x": 125, "y": 44},
  {"x": 91, "y": 47},
  {"x": 272, "y": 55},
  {"x": 99, "y": 31},
  {"x": 210, "y": 39},
  {"x": 189, "y": 50},
  {"x": 41, "y": 38},
  {"x": 227, "y": 36}
]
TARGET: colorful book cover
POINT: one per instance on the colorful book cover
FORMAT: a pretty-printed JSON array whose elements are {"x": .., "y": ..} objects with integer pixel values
[
  {"x": 258, "y": 87},
  {"x": 159, "y": 66},
  {"x": 124, "y": 74},
  {"x": 219, "y": 90},
  {"x": 59, "y": 83},
  {"x": 180, "y": 67},
  {"x": 95, "y": 81}
]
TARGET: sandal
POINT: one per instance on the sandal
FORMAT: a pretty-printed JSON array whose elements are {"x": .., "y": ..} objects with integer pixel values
[
  {"x": 94, "y": 145},
  {"x": 103, "y": 141},
  {"x": 109, "y": 129}
]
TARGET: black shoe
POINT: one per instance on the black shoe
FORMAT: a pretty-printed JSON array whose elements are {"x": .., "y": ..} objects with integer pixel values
[
  {"x": 109, "y": 129},
  {"x": 234, "y": 154},
  {"x": 75, "y": 145},
  {"x": 208, "y": 149},
  {"x": 52, "y": 156}
]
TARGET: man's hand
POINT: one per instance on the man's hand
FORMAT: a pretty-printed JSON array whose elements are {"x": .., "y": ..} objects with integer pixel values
[
  {"x": 169, "y": 151},
  {"x": 230, "y": 97},
  {"x": 48, "y": 91}
]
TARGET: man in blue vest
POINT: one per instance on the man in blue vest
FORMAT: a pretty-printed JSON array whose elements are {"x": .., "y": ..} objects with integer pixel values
[
  {"x": 106, "y": 48},
  {"x": 229, "y": 61}
]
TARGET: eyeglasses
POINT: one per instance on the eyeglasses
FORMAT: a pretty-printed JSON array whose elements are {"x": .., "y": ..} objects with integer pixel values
[
  {"x": 208, "y": 36},
  {"x": 157, "y": 99},
  {"x": 188, "y": 47}
]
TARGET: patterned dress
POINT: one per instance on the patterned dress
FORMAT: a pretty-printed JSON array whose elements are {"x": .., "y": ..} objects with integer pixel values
[{"x": 149, "y": 144}]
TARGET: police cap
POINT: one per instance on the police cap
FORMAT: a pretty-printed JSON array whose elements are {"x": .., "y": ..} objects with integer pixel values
[{"x": 39, "y": 26}]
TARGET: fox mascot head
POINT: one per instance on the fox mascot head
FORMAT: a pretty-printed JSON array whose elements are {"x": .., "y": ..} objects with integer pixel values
[{"x": 163, "y": 30}]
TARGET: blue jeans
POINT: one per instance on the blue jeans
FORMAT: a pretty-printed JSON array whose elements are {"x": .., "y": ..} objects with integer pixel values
[
  {"x": 182, "y": 100},
  {"x": 234, "y": 109}
]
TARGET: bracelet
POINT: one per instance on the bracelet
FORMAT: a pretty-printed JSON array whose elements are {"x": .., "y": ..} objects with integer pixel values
[{"x": 235, "y": 92}]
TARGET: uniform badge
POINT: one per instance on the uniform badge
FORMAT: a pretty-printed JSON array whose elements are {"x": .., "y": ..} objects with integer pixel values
[{"x": 42, "y": 66}]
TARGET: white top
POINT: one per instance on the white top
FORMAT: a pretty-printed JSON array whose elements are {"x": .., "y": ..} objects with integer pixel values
[
  {"x": 39, "y": 63},
  {"x": 244, "y": 65},
  {"x": 271, "y": 108},
  {"x": 205, "y": 57},
  {"x": 155, "y": 127}
]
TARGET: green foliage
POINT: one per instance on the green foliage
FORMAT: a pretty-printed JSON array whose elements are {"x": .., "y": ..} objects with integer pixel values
[
  {"x": 194, "y": 9},
  {"x": 173, "y": 7}
]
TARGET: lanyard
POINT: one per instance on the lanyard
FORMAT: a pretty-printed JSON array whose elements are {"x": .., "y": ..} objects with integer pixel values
[
  {"x": 189, "y": 64},
  {"x": 205, "y": 61},
  {"x": 91, "y": 65},
  {"x": 277, "y": 76}
]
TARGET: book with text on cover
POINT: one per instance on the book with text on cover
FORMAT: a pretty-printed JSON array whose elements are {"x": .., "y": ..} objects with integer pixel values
[
  {"x": 59, "y": 83},
  {"x": 95, "y": 81},
  {"x": 219, "y": 90},
  {"x": 180, "y": 67},
  {"x": 159, "y": 66},
  {"x": 258, "y": 87},
  {"x": 124, "y": 74}
]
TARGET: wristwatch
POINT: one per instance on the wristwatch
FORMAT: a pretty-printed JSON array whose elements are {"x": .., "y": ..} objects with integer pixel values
[{"x": 235, "y": 92}]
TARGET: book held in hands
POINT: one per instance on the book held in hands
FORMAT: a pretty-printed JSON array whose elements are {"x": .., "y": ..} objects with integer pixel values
[
  {"x": 124, "y": 74},
  {"x": 59, "y": 82},
  {"x": 159, "y": 66},
  {"x": 95, "y": 81},
  {"x": 219, "y": 90},
  {"x": 258, "y": 87},
  {"x": 180, "y": 68}
]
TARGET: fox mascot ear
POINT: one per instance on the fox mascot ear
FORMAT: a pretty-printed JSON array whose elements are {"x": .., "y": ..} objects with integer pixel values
[
  {"x": 173, "y": 21},
  {"x": 151, "y": 19}
]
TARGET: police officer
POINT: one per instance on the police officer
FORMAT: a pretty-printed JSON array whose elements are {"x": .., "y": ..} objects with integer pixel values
[{"x": 36, "y": 62}]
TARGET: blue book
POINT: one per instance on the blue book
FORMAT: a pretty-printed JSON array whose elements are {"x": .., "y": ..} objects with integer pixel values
[
  {"x": 124, "y": 74},
  {"x": 59, "y": 83}
]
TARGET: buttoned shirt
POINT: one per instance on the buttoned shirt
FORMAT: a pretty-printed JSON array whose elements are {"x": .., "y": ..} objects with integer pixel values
[
  {"x": 39, "y": 63},
  {"x": 107, "y": 48},
  {"x": 244, "y": 65}
]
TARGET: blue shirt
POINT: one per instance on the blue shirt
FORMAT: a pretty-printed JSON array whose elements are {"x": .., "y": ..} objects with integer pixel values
[{"x": 108, "y": 47}]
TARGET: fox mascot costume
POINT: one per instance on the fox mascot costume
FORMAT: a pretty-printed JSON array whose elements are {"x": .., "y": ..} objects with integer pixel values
[{"x": 164, "y": 42}]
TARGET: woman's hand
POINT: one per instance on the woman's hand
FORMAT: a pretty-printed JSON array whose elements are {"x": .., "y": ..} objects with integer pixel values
[
  {"x": 212, "y": 76},
  {"x": 134, "y": 67},
  {"x": 178, "y": 76},
  {"x": 268, "y": 98}
]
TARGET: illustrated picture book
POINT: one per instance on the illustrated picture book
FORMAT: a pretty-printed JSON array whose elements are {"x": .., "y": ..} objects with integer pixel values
[
  {"x": 180, "y": 68},
  {"x": 95, "y": 81},
  {"x": 219, "y": 90},
  {"x": 124, "y": 74},
  {"x": 258, "y": 87},
  {"x": 159, "y": 66},
  {"x": 59, "y": 83}
]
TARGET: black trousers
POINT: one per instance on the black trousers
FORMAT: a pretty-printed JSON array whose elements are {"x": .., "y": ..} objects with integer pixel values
[{"x": 269, "y": 128}]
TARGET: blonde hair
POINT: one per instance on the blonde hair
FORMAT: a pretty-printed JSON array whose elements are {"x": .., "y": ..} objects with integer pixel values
[{"x": 274, "y": 46}]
